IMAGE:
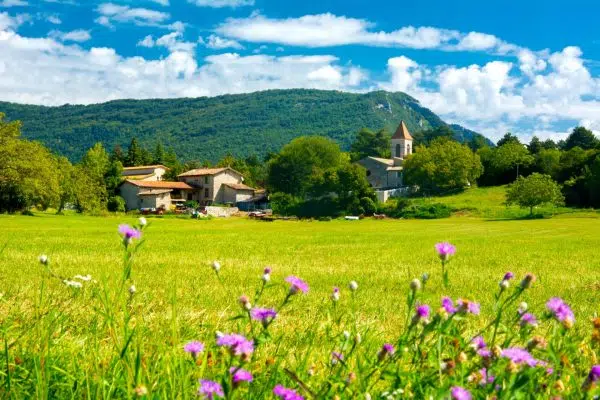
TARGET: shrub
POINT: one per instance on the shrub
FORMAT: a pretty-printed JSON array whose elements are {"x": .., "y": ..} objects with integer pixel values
[
  {"x": 191, "y": 204},
  {"x": 284, "y": 204},
  {"x": 315, "y": 208},
  {"x": 116, "y": 204},
  {"x": 368, "y": 205}
]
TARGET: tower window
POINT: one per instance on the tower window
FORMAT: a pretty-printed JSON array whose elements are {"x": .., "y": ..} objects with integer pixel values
[
  {"x": 368, "y": 173},
  {"x": 398, "y": 150}
]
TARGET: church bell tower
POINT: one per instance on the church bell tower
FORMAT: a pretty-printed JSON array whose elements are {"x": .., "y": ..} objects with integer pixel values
[{"x": 402, "y": 142}]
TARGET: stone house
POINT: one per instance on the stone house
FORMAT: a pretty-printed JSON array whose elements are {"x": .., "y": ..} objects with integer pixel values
[
  {"x": 141, "y": 194},
  {"x": 216, "y": 185},
  {"x": 386, "y": 173},
  {"x": 145, "y": 172}
]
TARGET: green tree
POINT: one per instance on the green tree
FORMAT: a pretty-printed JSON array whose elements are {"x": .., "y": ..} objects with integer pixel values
[
  {"x": 508, "y": 138},
  {"x": 367, "y": 143},
  {"x": 583, "y": 138},
  {"x": 95, "y": 164},
  {"x": 301, "y": 163},
  {"x": 135, "y": 154},
  {"x": 117, "y": 154},
  {"x": 535, "y": 145},
  {"x": 444, "y": 165},
  {"x": 67, "y": 182},
  {"x": 512, "y": 155},
  {"x": 158, "y": 157},
  {"x": 547, "y": 161},
  {"x": 533, "y": 191}
]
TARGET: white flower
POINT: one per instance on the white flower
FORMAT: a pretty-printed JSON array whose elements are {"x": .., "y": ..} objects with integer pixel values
[
  {"x": 353, "y": 286},
  {"x": 73, "y": 284},
  {"x": 43, "y": 259},
  {"x": 523, "y": 307},
  {"x": 266, "y": 277},
  {"x": 216, "y": 266},
  {"x": 504, "y": 284},
  {"x": 415, "y": 285},
  {"x": 85, "y": 278},
  {"x": 347, "y": 335},
  {"x": 132, "y": 290},
  {"x": 335, "y": 296},
  {"x": 142, "y": 221}
]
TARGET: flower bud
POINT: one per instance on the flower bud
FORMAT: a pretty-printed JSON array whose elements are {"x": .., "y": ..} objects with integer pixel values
[
  {"x": 424, "y": 278},
  {"x": 245, "y": 302},
  {"x": 216, "y": 266},
  {"x": 43, "y": 259},
  {"x": 132, "y": 290},
  {"x": 353, "y": 286},
  {"x": 141, "y": 391},
  {"x": 523, "y": 307},
  {"x": 415, "y": 285},
  {"x": 504, "y": 284},
  {"x": 347, "y": 335},
  {"x": 335, "y": 295},
  {"x": 142, "y": 221},
  {"x": 527, "y": 281}
]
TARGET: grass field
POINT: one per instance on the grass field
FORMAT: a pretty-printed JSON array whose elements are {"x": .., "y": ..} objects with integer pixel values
[{"x": 179, "y": 298}]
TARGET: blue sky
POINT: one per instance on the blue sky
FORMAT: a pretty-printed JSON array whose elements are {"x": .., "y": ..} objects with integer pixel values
[{"x": 530, "y": 67}]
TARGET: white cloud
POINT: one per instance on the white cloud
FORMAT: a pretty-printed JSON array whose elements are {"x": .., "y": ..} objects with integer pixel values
[
  {"x": 405, "y": 74},
  {"x": 161, "y": 2},
  {"x": 8, "y": 22},
  {"x": 148, "y": 41},
  {"x": 478, "y": 41},
  {"x": 218, "y": 43},
  {"x": 54, "y": 19},
  {"x": 13, "y": 3},
  {"x": 222, "y": 3},
  {"x": 79, "y": 35},
  {"x": 110, "y": 13}
]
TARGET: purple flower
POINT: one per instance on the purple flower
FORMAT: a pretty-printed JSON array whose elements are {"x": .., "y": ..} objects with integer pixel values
[
  {"x": 335, "y": 295},
  {"x": 478, "y": 343},
  {"x": 485, "y": 378},
  {"x": 528, "y": 319},
  {"x": 423, "y": 311},
  {"x": 267, "y": 270},
  {"x": 448, "y": 305},
  {"x": 286, "y": 394},
  {"x": 466, "y": 306},
  {"x": 484, "y": 353},
  {"x": 238, "y": 344},
  {"x": 210, "y": 389},
  {"x": 194, "y": 348},
  {"x": 520, "y": 356},
  {"x": 508, "y": 276},
  {"x": 560, "y": 309},
  {"x": 265, "y": 315},
  {"x": 297, "y": 285},
  {"x": 386, "y": 349},
  {"x": 240, "y": 375},
  {"x": 594, "y": 374},
  {"x": 459, "y": 393},
  {"x": 445, "y": 250},
  {"x": 129, "y": 233},
  {"x": 336, "y": 356}
]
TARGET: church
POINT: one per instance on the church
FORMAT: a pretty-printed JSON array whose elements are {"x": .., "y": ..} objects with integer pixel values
[{"x": 386, "y": 174}]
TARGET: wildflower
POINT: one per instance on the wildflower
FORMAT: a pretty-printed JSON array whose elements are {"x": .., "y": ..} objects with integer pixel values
[
  {"x": 508, "y": 276},
  {"x": 422, "y": 313},
  {"x": 522, "y": 308},
  {"x": 448, "y": 305},
  {"x": 478, "y": 343},
  {"x": 351, "y": 377},
  {"x": 336, "y": 356},
  {"x": 210, "y": 389},
  {"x": 527, "y": 281},
  {"x": 386, "y": 349},
  {"x": 561, "y": 311},
  {"x": 462, "y": 357},
  {"x": 592, "y": 378},
  {"x": 353, "y": 286},
  {"x": 43, "y": 259},
  {"x": 140, "y": 391},
  {"x": 504, "y": 285},
  {"x": 73, "y": 284},
  {"x": 266, "y": 274},
  {"x": 335, "y": 295},
  {"x": 466, "y": 306},
  {"x": 129, "y": 233},
  {"x": 142, "y": 221},
  {"x": 445, "y": 250},
  {"x": 264, "y": 315},
  {"x": 286, "y": 394},
  {"x": 240, "y": 375},
  {"x": 459, "y": 393},
  {"x": 245, "y": 302},
  {"x": 194, "y": 348},
  {"x": 238, "y": 344},
  {"x": 85, "y": 278},
  {"x": 528, "y": 319},
  {"x": 132, "y": 290},
  {"x": 216, "y": 266},
  {"x": 297, "y": 285},
  {"x": 346, "y": 335},
  {"x": 415, "y": 285},
  {"x": 520, "y": 356},
  {"x": 424, "y": 278}
]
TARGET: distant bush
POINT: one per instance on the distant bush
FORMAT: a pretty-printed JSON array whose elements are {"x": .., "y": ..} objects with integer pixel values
[
  {"x": 284, "y": 204},
  {"x": 116, "y": 204},
  {"x": 368, "y": 206},
  {"x": 191, "y": 204},
  {"x": 315, "y": 208},
  {"x": 427, "y": 211}
]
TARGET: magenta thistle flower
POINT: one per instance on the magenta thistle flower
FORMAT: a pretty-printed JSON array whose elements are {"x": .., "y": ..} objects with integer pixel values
[
  {"x": 209, "y": 389},
  {"x": 508, "y": 276},
  {"x": 128, "y": 232},
  {"x": 594, "y": 374},
  {"x": 194, "y": 348},
  {"x": 423, "y": 311},
  {"x": 459, "y": 393},
  {"x": 448, "y": 305},
  {"x": 520, "y": 356},
  {"x": 264, "y": 315},
  {"x": 267, "y": 270},
  {"x": 286, "y": 394},
  {"x": 297, "y": 285},
  {"x": 485, "y": 378},
  {"x": 238, "y": 344},
  {"x": 478, "y": 343},
  {"x": 528, "y": 319},
  {"x": 484, "y": 353},
  {"x": 386, "y": 349},
  {"x": 445, "y": 250},
  {"x": 240, "y": 375},
  {"x": 560, "y": 309}
]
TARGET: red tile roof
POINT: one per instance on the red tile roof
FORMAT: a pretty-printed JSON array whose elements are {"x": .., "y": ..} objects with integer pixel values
[
  {"x": 159, "y": 184},
  {"x": 402, "y": 132},
  {"x": 207, "y": 171},
  {"x": 239, "y": 186},
  {"x": 145, "y": 167}
]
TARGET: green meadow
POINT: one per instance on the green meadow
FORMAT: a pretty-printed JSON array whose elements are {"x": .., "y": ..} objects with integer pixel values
[{"x": 59, "y": 341}]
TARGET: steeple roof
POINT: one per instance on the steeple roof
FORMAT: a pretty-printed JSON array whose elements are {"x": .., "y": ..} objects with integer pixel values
[{"x": 402, "y": 132}]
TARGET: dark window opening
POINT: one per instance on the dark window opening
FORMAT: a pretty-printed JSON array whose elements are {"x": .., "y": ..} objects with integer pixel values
[{"x": 398, "y": 154}]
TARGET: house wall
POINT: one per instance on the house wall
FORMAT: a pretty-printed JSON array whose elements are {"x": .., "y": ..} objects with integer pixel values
[
  {"x": 377, "y": 176},
  {"x": 218, "y": 189},
  {"x": 214, "y": 184},
  {"x": 231, "y": 195},
  {"x": 162, "y": 200},
  {"x": 158, "y": 173},
  {"x": 130, "y": 192}
]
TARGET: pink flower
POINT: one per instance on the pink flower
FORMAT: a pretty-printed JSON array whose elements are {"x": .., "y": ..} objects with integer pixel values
[
  {"x": 194, "y": 348},
  {"x": 297, "y": 285},
  {"x": 459, "y": 393},
  {"x": 286, "y": 394},
  {"x": 445, "y": 250},
  {"x": 240, "y": 375},
  {"x": 210, "y": 389},
  {"x": 238, "y": 344},
  {"x": 129, "y": 233}
]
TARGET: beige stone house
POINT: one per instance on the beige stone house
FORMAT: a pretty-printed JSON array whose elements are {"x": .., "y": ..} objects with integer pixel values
[
  {"x": 384, "y": 173},
  {"x": 216, "y": 185},
  {"x": 145, "y": 172},
  {"x": 139, "y": 194}
]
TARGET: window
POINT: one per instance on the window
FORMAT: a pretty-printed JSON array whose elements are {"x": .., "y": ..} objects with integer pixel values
[
  {"x": 368, "y": 173},
  {"x": 408, "y": 149},
  {"x": 206, "y": 192},
  {"x": 206, "y": 180},
  {"x": 398, "y": 153},
  {"x": 189, "y": 196}
]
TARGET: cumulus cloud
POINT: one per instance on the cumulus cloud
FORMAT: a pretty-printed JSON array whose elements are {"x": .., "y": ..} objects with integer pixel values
[
  {"x": 110, "y": 13},
  {"x": 13, "y": 3},
  {"x": 54, "y": 19},
  {"x": 161, "y": 2},
  {"x": 222, "y": 3},
  {"x": 7, "y": 22},
  {"x": 79, "y": 35},
  {"x": 217, "y": 43}
]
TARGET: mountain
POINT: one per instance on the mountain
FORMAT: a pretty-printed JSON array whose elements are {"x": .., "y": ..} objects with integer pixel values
[{"x": 210, "y": 127}]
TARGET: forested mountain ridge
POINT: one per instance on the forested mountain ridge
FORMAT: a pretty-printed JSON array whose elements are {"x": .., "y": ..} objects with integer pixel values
[{"x": 210, "y": 127}]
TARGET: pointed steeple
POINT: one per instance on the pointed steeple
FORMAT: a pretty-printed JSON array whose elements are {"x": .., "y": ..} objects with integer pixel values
[{"x": 402, "y": 132}]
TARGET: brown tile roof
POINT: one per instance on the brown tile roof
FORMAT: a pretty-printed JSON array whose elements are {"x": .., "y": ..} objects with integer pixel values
[
  {"x": 386, "y": 161},
  {"x": 402, "y": 132},
  {"x": 145, "y": 167},
  {"x": 159, "y": 184},
  {"x": 239, "y": 186},
  {"x": 138, "y": 177},
  {"x": 207, "y": 171}
]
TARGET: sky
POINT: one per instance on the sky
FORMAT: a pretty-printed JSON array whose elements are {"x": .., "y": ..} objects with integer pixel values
[{"x": 529, "y": 67}]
